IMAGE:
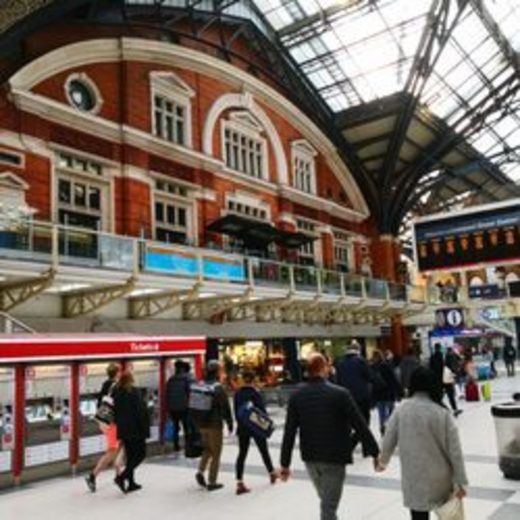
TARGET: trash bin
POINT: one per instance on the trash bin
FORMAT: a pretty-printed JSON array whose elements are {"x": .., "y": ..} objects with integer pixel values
[{"x": 507, "y": 425}]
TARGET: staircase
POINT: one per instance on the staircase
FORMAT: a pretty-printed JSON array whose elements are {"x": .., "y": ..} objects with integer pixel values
[{"x": 11, "y": 325}]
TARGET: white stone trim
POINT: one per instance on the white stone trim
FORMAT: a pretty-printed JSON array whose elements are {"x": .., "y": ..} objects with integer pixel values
[
  {"x": 246, "y": 101},
  {"x": 25, "y": 142},
  {"x": 167, "y": 84},
  {"x": 253, "y": 132},
  {"x": 288, "y": 218},
  {"x": 248, "y": 199},
  {"x": 303, "y": 150},
  {"x": 161, "y": 53},
  {"x": 82, "y": 77},
  {"x": 11, "y": 180},
  {"x": 329, "y": 206}
]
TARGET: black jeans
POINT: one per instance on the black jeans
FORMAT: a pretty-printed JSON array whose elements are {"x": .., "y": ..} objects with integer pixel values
[
  {"x": 420, "y": 515},
  {"x": 135, "y": 451},
  {"x": 364, "y": 408},
  {"x": 244, "y": 439},
  {"x": 450, "y": 392},
  {"x": 179, "y": 418}
]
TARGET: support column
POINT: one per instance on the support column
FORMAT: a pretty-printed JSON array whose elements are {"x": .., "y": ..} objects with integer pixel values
[
  {"x": 292, "y": 365},
  {"x": 163, "y": 412},
  {"x": 327, "y": 247},
  {"x": 19, "y": 422},
  {"x": 74, "y": 416},
  {"x": 385, "y": 252}
]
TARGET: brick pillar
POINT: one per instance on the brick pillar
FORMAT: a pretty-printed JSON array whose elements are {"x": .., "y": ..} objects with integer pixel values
[
  {"x": 327, "y": 248},
  {"x": 385, "y": 251}
]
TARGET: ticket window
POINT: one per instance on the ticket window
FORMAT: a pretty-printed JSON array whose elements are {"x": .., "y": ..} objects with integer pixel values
[
  {"x": 170, "y": 366},
  {"x": 146, "y": 376},
  {"x": 91, "y": 379},
  {"x": 47, "y": 414},
  {"x": 7, "y": 376}
]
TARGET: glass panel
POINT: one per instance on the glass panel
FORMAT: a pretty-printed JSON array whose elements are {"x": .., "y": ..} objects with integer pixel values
[
  {"x": 159, "y": 212},
  {"x": 80, "y": 194},
  {"x": 306, "y": 278},
  {"x": 94, "y": 198},
  {"x": 64, "y": 191},
  {"x": 266, "y": 272}
]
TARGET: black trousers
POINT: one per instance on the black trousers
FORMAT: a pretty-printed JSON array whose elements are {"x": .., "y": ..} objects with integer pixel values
[
  {"x": 420, "y": 515},
  {"x": 364, "y": 408},
  {"x": 450, "y": 392},
  {"x": 244, "y": 440},
  {"x": 135, "y": 451},
  {"x": 179, "y": 418}
]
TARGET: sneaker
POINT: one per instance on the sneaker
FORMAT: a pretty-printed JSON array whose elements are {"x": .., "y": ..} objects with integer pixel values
[
  {"x": 120, "y": 483},
  {"x": 201, "y": 481},
  {"x": 456, "y": 413},
  {"x": 133, "y": 487},
  {"x": 241, "y": 488},
  {"x": 273, "y": 477},
  {"x": 91, "y": 482},
  {"x": 215, "y": 487}
]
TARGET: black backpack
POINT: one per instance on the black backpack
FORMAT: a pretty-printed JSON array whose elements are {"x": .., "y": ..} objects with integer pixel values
[{"x": 177, "y": 393}]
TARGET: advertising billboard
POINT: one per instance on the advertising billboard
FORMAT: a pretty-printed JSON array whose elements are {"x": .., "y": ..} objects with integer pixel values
[{"x": 488, "y": 234}]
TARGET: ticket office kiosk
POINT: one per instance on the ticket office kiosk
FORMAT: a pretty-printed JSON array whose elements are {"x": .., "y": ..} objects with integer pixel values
[{"x": 48, "y": 395}]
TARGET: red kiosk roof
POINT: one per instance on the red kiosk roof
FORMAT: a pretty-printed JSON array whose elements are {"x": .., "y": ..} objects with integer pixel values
[{"x": 60, "y": 347}]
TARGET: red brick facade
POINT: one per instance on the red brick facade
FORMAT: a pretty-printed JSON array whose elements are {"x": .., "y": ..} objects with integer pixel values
[{"x": 124, "y": 86}]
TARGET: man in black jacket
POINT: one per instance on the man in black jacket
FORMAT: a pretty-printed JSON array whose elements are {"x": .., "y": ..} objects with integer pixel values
[
  {"x": 177, "y": 396},
  {"x": 324, "y": 414}
]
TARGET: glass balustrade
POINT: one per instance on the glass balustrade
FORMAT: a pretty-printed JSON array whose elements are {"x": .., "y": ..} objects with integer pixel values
[
  {"x": 376, "y": 289},
  {"x": 305, "y": 278},
  {"x": 331, "y": 282},
  {"x": 353, "y": 285},
  {"x": 83, "y": 247},
  {"x": 397, "y": 291},
  {"x": 25, "y": 240},
  {"x": 270, "y": 273}
]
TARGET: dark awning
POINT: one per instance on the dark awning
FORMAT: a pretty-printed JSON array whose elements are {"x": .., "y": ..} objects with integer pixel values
[{"x": 257, "y": 234}]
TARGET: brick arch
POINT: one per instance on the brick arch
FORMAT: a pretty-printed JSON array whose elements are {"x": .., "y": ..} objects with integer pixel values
[{"x": 246, "y": 101}]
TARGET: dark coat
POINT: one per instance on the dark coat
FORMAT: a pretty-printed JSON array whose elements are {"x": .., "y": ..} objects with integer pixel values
[
  {"x": 131, "y": 414},
  {"x": 407, "y": 366},
  {"x": 437, "y": 365},
  {"x": 386, "y": 387},
  {"x": 105, "y": 389},
  {"x": 178, "y": 392},
  {"x": 324, "y": 414},
  {"x": 353, "y": 373}
]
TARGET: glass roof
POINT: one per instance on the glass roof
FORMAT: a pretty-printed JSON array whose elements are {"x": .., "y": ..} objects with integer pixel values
[{"x": 357, "y": 51}]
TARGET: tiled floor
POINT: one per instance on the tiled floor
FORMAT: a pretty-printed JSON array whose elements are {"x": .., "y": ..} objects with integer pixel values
[{"x": 170, "y": 491}]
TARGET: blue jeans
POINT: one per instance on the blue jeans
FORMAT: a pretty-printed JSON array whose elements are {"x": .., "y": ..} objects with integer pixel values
[
  {"x": 385, "y": 409},
  {"x": 328, "y": 479}
]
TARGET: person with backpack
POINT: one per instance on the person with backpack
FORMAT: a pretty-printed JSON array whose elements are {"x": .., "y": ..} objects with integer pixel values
[
  {"x": 386, "y": 389},
  {"x": 209, "y": 408},
  {"x": 113, "y": 453},
  {"x": 249, "y": 396},
  {"x": 177, "y": 397}
]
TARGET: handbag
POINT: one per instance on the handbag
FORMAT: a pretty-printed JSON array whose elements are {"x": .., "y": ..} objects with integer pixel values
[
  {"x": 453, "y": 509},
  {"x": 254, "y": 420},
  {"x": 105, "y": 414}
]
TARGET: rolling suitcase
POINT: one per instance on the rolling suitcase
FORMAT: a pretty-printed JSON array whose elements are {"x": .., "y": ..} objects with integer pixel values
[{"x": 472, "y": 393}]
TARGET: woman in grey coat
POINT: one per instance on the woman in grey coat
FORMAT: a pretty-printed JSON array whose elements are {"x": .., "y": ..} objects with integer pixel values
[{"x": 432, "y": 465}]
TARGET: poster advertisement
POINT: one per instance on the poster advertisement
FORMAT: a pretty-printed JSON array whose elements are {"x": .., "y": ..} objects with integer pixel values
[{"x": 487, "y": 234}]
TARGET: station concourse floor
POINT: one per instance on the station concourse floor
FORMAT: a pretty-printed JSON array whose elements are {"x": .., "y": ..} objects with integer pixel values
[{"x": 169, "y": 489}]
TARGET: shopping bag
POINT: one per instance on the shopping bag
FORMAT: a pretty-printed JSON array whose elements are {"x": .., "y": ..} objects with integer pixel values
[
  {"x": 453, "y": 509},
  {"x": 485, "y": 390},
  {"x": 169, "y": 431},
  {"x": 193, "y": 445}
]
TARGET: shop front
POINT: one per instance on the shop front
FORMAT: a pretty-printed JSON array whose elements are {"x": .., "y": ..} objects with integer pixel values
[{"x": 48, "y": 395}]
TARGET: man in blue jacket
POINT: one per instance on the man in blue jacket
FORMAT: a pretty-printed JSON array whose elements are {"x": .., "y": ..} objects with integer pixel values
[
  {"x": 324, "y": 414},
  {"x": 353, "y": 373}
]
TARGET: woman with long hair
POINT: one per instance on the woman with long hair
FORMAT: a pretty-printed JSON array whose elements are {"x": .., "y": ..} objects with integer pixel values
[
  {"x": 432, "y": 465},
  {"x": 133, "y": 428}
]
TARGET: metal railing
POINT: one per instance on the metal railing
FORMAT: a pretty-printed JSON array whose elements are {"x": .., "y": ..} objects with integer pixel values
[{"x": 65, "y": 245}]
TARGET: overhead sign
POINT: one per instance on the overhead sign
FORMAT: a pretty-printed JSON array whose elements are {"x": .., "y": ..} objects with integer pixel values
[
  {"x": 486, "y": 234},
  {"x": 70, "y": 347},
  {"x": 449, "y": 318}
]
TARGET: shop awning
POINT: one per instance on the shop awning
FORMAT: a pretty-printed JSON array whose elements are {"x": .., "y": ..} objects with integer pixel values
[{"x": 257, "y": 234}]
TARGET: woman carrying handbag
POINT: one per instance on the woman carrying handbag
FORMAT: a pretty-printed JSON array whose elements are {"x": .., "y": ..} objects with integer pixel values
[{"x": 433, "y": 476}]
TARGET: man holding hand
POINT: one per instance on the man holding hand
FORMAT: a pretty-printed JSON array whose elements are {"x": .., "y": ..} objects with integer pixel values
[{"x": 325, "y": 415}]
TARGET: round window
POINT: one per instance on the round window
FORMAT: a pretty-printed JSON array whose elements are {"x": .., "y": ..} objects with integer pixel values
[{"x": 81, "y": 96}]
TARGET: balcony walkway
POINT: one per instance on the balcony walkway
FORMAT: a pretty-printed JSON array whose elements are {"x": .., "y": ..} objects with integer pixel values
[{"x": 169, "y": 489}]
